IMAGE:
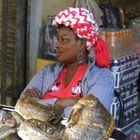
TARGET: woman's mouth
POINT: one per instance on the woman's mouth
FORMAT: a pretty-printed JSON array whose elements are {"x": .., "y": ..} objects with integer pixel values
[{"x": 58, "y": 54}]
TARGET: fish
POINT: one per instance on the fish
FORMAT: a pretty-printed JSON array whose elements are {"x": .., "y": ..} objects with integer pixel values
[
  {"x": 38, "y": 109},
  {"x": 89, "y": 120},
  {"x": 19, "y": 119},
  {"x": 8, "y": 124},
  {"x": 38, "y": 130}
]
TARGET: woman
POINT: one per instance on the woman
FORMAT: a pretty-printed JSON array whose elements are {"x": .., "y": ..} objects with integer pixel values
[{"x": 77, "y": 73}]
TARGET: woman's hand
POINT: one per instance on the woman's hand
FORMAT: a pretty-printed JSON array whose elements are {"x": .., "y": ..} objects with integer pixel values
[
  {"x": 67, "y": 102},
  {"x": 34, "y": 93}
]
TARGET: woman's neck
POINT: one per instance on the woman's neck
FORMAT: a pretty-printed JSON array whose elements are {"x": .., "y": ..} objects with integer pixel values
[{"x": 74, "y": 66}]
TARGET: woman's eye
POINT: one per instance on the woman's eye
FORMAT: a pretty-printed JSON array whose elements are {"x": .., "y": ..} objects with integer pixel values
[
  {"x": 65, "y": 40},
  {"x": 62, "y": 40}
]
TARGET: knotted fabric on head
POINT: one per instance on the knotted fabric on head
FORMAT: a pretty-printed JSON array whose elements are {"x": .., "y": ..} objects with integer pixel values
[{"x": 85, "y": 26}]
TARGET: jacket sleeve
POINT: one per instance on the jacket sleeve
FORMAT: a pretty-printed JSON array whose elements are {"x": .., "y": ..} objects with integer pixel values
[
  {"x": 35, "y": 82},
  {"x": 102, "y": 88},
  {"x": 40, "y": 81}
]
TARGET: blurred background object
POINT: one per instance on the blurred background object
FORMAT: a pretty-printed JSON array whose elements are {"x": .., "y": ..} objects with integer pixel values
[
  {"x": 12, "y": 50},
  {"x": 93, "y": 7}
]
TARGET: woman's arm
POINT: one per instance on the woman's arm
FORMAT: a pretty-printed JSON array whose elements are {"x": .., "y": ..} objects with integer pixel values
[
  {"x": 66, "y": 102},
  {"x": 34, "y": 87},
  {"x": 34, "y": 93},
  {"x": 102, "y": 88}
]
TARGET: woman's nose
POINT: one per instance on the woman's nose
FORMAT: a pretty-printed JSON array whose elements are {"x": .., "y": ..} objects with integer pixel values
[{"x": 57, "y": 45}]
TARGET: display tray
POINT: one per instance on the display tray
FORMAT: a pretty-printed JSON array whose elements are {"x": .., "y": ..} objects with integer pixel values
[{"x": 126, "y": 76}]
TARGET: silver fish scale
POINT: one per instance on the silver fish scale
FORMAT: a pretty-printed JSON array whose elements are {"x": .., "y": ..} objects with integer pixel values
[{"x": 84, "y": 132}]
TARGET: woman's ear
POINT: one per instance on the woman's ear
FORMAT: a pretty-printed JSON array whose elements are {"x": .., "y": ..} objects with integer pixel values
[{"x": 82, "y": 43}]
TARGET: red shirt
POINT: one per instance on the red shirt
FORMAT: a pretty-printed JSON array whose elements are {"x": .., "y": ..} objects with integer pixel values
[{"x": 58, "y": 89}]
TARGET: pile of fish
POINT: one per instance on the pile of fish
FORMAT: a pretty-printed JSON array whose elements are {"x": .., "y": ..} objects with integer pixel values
[
  {"x": 8, "y": 124},
  {"x": 89, "y": 120},
  {"x": 34, "y": 119},
  {"x": 37, "y": 109}
]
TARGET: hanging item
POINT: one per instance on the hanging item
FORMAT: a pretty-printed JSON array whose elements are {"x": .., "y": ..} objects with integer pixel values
[
  {"x": 112, "y": 16},
  {"x": 50, "y": 40},
  {"x": 92, "y": 6}
]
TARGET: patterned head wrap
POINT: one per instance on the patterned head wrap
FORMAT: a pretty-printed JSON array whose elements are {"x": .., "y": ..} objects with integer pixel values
[{"x": 84, "y": 25}]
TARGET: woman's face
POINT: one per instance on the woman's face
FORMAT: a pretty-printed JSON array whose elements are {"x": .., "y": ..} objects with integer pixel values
[{"x": 67, "y": 47}]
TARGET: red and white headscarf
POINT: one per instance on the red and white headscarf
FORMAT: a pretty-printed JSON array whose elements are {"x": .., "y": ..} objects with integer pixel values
[{"x": 85, "y": 26}]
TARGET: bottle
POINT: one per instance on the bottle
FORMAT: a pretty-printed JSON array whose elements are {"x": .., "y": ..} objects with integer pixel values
[{"x": 115, "y": 65}]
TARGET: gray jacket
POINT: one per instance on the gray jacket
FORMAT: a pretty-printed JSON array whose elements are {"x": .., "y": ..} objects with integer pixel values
[{"x": 96, "y": 81}]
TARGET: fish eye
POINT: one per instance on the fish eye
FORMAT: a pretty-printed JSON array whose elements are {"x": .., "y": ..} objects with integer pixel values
[{"x": 50, "y": 130}]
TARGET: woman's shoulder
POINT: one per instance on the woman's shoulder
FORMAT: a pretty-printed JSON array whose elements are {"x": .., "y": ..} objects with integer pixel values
[
  {"x": 98, "y": 69},
  {"x": 100, "y": 75},
  {"x": 94, "y": 70},
  {"x": 53, "y": 67}
]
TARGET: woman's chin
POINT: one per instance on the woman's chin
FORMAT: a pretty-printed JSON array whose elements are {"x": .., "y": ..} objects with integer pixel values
[{"x": 59, "y": 59}]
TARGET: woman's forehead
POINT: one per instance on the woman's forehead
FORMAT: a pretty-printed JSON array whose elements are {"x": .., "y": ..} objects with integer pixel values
[{"x": 65, "y": 31}]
